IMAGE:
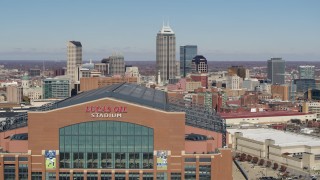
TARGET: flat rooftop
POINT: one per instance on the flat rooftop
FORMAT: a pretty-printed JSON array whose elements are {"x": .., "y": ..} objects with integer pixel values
[
  {"x": 261, "y": 114},
  {"x": 281, "y": 138}
]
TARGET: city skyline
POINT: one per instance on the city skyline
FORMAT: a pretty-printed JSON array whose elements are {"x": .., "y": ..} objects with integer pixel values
[{"x": 237, "y": 31}]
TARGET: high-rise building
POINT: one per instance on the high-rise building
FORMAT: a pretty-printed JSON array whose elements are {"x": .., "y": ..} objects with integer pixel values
[
  {"x": 276, "y": 70},
  {"x": 199, "y": 64},
  {"x": 187, "y": 53},
  {"x": 103, "y": 68},
  {"x": 58, "y": 87},
  {"x": 34, "y": 72},
  {"x": 14, "y": 94},
  {"x": 306, "y": 72},
  {"x": 74, "y": 59},
  {"x": 166, "y": 53},
  {"x": 116, "y": 65}
]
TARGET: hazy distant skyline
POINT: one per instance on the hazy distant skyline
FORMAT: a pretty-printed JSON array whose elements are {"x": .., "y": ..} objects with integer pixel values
[{"x": 224, "y": 31}]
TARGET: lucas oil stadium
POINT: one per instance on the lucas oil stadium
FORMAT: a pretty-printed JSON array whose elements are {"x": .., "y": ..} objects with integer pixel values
[{"x": 119, "y": 132}]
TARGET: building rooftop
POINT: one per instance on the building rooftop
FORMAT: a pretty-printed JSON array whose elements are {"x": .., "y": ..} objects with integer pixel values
[
  {"x": 281, "y": 138},
  {"x": 199, "y": 58},
  {"x": 260, "y": 114},
  {"x": 76, "y": 43},
  {"x": 124, "y": 91},
  {"x": 166, "y": 29}
]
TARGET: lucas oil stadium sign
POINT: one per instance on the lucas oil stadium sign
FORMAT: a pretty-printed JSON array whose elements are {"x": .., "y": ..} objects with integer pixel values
[{"x": 106, "y": 111}]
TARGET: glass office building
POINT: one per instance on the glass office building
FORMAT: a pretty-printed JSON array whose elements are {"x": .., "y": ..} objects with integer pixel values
[
  {"x": 276, "y": 70},
  {"x": 58, "y": 87},
  {"x": 187, "y": 53}
]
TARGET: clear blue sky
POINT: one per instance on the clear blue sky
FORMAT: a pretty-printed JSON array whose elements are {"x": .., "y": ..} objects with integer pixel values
[{"x": 223, "y": 30}]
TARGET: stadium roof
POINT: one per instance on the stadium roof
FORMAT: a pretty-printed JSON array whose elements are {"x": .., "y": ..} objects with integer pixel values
[
  {"x": 281, "y": 138},
  {"x": 127, "y": 92}
]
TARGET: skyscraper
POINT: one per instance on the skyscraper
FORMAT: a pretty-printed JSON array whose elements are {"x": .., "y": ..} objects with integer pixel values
[
  {"x": 306, "y": 72},
  {"x": 116, "y": 65},
  {"x": 166, "y": 53},
  {"x": 199, "y": 64},
  {"x": 74, "y": 59},
  {"x": 187, "y": 53},
  {"x": 276, "y": 70}
]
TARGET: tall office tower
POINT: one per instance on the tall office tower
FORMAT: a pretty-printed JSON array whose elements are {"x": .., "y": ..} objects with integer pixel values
[
  {"x": 276, "y": 70},
  {"x": 116, "y": 65},
  {"x": 74, "y": 59},
  {"x": 199, "y": 64},
  {"x": 306, "y": 72},
  {"x": 187, "y": 53},
  {"x": 166, "y": 53},
  {"x": 14, "y": 94}
]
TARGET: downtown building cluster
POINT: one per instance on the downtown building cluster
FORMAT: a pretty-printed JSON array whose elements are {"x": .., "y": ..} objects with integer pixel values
[
  {"x": 180, "y": 112},
  {"x": 101, "y": 123}
]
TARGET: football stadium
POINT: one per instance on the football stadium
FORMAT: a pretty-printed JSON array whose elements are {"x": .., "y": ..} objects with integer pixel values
[{"x": 119, "y": 132}]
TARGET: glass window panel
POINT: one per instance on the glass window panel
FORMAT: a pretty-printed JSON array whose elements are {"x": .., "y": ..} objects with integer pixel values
[
  {"x": 103, "y": 143},
  {"x": 92, "y": 160},
  {"x": 116, "y": 128},
  {"x": 88, "y": 143},
  {"x": 150, "y": 144},
  {"x": 75, "y": 143},
  {"x": 61, "y": 130},
  {"x": 81, "y": 160},
  {"x": 150, "y": 132},
  {"x": 67, "y": 160},
  {"x": 103, "y": 128},
  {"x": 96, "y": 144},
  {"x": 110, "y": 128},
  {"x": 138, "y": 129},
  {"x": 137, "y": 146},
  {"x": 150, "y": 156},
  {"x": 89, "y": 128},
  {"x": 67, "y": 145},
  {"x": 131, "y": 143},
  {"x": 144, "y": 145},
  {"x": 61, "y": 162},
  {"x": 75, "y": 129},
  {"x": 67, "y": 130},
  {"x": 124, "y": 144},
  {"x": 110, "y": 161},
  {"x": 110, "y": 144},
  {"x": 103, "y": 160},
  {"x": 82, "y": 129},
  {"x": 82, "y": 143},
  {"x": 130, "y": 129},
  {"x": 61, "y": 142},
  {"x": 117, "y": 143},
  {"x": 124, "y": 128},
  {"x": 95, "y": 128},
  {"x": 76, "y": 160},
  {"x": 144, "y": 131}
]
